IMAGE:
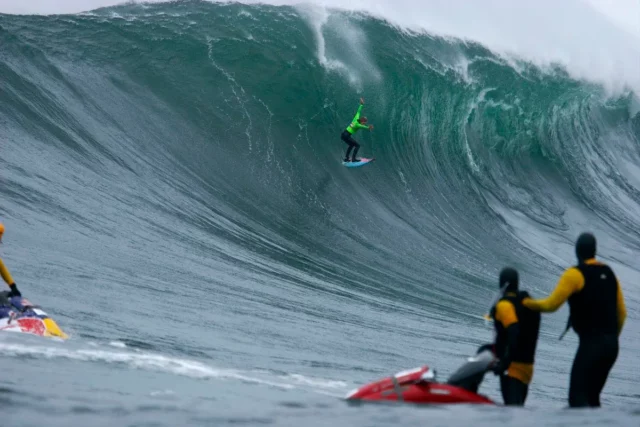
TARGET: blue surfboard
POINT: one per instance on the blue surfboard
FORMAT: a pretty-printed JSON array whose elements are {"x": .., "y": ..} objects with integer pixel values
[{"x": 362, "y": 162}]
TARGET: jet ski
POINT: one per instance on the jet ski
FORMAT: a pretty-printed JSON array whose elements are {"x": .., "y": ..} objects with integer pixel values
[
  {"x": 17, "y": 314},
  {"x": 420, "y": 386}
]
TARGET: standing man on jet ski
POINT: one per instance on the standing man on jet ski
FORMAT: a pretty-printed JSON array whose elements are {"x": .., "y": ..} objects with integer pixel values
[
  {"x": 597, "y": 314},
  {"x": 5, "y": 273},
  {"x": 517, "y": 330}
]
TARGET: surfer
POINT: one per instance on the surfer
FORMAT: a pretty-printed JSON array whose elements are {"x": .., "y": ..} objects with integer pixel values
[
  {"x": 596, "y": 312},
  {"x": 517, "y": 330},
  {"x": 5, "y": 272},
  {"x": 347, "y": 135}
]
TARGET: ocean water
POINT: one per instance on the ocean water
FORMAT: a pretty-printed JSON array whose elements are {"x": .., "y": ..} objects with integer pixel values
[{"x": 173, "y": 194}]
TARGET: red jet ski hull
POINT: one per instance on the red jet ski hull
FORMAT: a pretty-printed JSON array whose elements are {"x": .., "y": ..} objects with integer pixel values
[{"x": 416, "y": 386}]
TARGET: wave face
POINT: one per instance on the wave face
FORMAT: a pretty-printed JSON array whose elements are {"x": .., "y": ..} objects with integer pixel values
[{"x": 183, "y": 160}]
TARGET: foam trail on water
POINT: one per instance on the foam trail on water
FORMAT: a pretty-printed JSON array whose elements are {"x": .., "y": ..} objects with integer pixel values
[
  {"x": 166, "y": 364},
  {"x": 145, "y": 361}
]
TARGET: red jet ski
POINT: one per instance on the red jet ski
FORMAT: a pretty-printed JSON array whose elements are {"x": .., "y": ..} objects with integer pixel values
[{"x": 420, "y": 385}]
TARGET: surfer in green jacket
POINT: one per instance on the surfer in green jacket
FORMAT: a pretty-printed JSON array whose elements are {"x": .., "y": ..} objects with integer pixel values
[{"x": 356, "y": 124}]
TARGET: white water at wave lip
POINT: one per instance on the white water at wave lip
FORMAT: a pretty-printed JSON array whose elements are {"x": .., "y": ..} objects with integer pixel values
[{"x": 596, "y": 40}]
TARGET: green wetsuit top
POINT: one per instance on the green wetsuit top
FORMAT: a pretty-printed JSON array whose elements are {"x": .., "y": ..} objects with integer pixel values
[{"x": 355, "y": 125}]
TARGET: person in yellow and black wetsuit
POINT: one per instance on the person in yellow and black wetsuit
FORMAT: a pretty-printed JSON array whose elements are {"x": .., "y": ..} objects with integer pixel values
[
  {"x": 6, "y": 276},
  {"x": 597, "y": 314},
  {"x": 517, "y": 331}
]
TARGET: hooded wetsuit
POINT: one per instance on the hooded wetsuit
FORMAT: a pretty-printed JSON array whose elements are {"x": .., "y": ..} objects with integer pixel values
[
  {"x": 597, "y": 314},
  {"x": 517, "y": 331}
]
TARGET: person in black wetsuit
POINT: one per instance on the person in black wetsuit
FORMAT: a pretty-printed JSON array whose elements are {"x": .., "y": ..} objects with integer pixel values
[
  {"x": 517, "y": 330},
  {"x": 597, "y": 314},
  {"x": 347, "y": 135}
]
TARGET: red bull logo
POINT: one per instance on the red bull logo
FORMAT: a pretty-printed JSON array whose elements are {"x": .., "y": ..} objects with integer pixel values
[{"x": 46, "y": 327}]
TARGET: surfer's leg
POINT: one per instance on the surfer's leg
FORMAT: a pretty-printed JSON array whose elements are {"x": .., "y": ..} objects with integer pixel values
[
  {"x": 346, "y": 156},
  {"x": 608, "y": 348},
  {"x": 580, "y": 376},
  {"x": 514, "y": 391},
  {"x": 525, "y": 392},
  {"x": 504, "y": 388},
  {"x": 355, "y": 152},
  {"x": 346, "y": 137}
]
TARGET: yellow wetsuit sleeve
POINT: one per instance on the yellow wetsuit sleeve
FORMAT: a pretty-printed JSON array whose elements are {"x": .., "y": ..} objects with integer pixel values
[
  {"x": 571, "y": 281},
  {"x": 506, "y": 313},
  {"x": 622, "y": 310},
  {"x": 5, "y": 273}
]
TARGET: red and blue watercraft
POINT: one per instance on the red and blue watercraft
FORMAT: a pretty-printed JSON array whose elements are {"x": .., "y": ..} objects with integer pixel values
[{"x": 17, "y": 314}]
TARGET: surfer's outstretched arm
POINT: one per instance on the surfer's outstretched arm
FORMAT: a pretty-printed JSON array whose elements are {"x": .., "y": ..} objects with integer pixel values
[
  {"x": 357, "y": 116},
  {"x": 356, "y": 123}
]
